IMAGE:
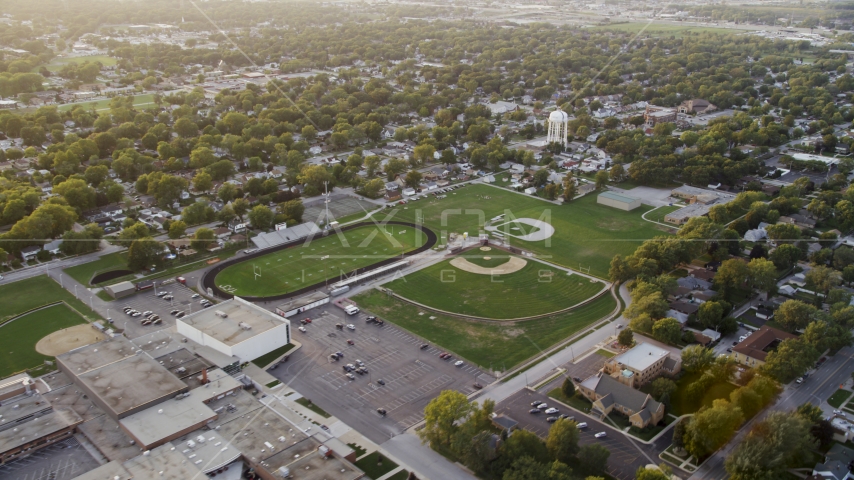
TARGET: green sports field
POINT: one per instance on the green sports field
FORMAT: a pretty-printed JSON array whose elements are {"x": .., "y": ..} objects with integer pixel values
[
  {"x": 587, "y": 235},
  {"x": 535, "y": 289},
  {"x": 18, "y": 338},
  {"x": 21, "y": 296},
  {"x": 492, "y": 346},
  {"x": 326, "y": 258}
]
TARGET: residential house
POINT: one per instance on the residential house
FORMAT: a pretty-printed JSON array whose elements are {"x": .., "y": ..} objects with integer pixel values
[
  {"x": 753, "y": 351},
  {"x": 608, "y": 395},
  {"x": 642, "y": 364},
  {"x": 29, "y": 253},
  {"x": 682, "y": 311},
  {"x": 798, "y": 220},
  {"x": 838, "y": 464}
]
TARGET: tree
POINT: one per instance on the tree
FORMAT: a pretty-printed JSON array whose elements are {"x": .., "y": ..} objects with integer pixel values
[
  {"x": 292, "y": 210},
  {"x": 626, "y": 337},
  {"x": 202, "y": 239},
  {"x": 77, "y": 193},
  {"x": 202, "y": 157},
  {"x": 617, "y": 173},
  {"x": 144, "y": 253},
  {"x": 166, "y": 188},
  {"x": 315, "y": 176},
  {"x": 667, "y": 330},
  {"x": 822, "y": 278},
  {"x": 785, "y": 256},
  {"x": 697, "y": 358},
  {"x": 202, "y": 182},
  {"x": 423, "y": 154},
  {"x": 762, "y": 275},
  {"x": 593, "y": 459},
  {"x": 652, "y": 473},
  {"x": 413, "y": 179},
  {"x": 770, "y": 446},
  {"x": 524, "y": 443},
  {"x": 567, "y": 388},
  {"x": 177, "y": 229},
  {"x": 662, "y": 389},
  {"x": 261, "y": 217},
  {"x": 710, "y": 314},
  {"x": 795, "y": 314},
  {"x": 240, "y": 207},
  {"x": 441, "y": 415},
  {"x": 790, "y": 360},
  {"x": 96, "y": 174},
  {"x": 731, "y": 275},
  {"x": 562, "y": 441},
  {"x": 601, "y": 179},
  {"x": 712, "y": 427},
  {"x": 227, "y": 192},
  {"x": 783, "y": 232},
  {"x": 569, "y": 187},
  {"x": 221, "y": 170},
  {"x": 76, "y": 243},
  {"x": 393, "y": 168},
  {"x": 196, "y": 213}
]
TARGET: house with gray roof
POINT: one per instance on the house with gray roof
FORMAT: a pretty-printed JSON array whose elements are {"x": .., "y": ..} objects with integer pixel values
[
  {"x": 838, "y": 464},
  {"x": 609, "y": 394}
]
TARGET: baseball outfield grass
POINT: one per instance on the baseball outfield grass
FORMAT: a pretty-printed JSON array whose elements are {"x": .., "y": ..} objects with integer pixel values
[
  {"x": 535, "y": 289},
  {"x": 587, "y": 235},
  {"x": 491, "y": 346},
  {"x": 326, "y": 258},
  {"x": 18, "y": 338}
]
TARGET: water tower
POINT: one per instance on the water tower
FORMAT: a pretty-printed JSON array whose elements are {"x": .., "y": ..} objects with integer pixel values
[{"x": 558, "y": 127}]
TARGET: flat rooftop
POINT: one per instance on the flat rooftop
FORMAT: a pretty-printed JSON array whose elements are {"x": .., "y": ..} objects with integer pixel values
[
  {"x": 641, "y": 356},
  {"x": 209, "y": 450},
  {"x": 108, "y": 471},
  {"x": 162, "y": 462},
  {"x": 168, "y": 418},
  {"x": 130, "y": 383},
  {"x": 27, "y": 432},
  {"x": 20, "y": 407},
  {"x": 106, "y": 434},
  {"x": 96, "y": 355},
  {"x": 230, "y": 330}
]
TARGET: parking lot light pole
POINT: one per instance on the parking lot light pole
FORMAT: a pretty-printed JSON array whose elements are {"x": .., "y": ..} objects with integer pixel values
[
  {"x": 75, "y": 292},
  {"x": 60, "y": 281},
  {"x": 90, "y": 303}
]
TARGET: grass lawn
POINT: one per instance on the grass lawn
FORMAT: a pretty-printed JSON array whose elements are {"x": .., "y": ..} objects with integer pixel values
[
  {"x": 265, "y": 360},
  {"x": 586, "y": 234},
  {"x": 401, "y": 475},
  {"x": 83, "y": 273},
  {"x": 358, "y": 449},
  {"x": 657, "y": 29},
  {"x": 311, "y": 406},
  {"x": 103, "y": 105},
  {"x": 535, "y": 289},
  {"x": 681, "y": 405},
  {"x": 838, "y": 397},
  {"x": 18, "y": 297},
  {"x": 57, "y": 63},
  {"x": 326, "y": 258},
  {"x": 18, "y": 338},
  {"x": 370, "y": 467},
  {"x": 658, "y": 214},
  {"x": 497, "y": 347},
  {"x": 576, "y": 401},
  {"x": 604, "y": 353}
]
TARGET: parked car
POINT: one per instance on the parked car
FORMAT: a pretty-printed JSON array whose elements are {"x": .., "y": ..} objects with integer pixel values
[
  {"x": 381, "y": 411},
  {"x": 477, "y": 386},
  {"x": 350, "y": 342},
  {"x": 351, "y": 326},
  {"x": 301, "y": 329},
  {"x": 551, "y": 419},
  {"x": 582, "y": 425},
  {"x": 195, "y": 295},
  {"x": 552, "y": 410},
  {"x": 601, "y": 435},
  {"x": 307, "y": 320},
  {"x": 381, "y": 382},
  {"x": 458, "y": 363},
  {"x": 424, "y": 346},
  {"x": 350, "y": 376},
  {"x": 534, "y": 410},
  {"x": 536, "y": 402}
]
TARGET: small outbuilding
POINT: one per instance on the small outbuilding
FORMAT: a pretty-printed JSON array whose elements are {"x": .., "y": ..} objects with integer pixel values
[
  {"x": 618, "y": 201},
  {"x": 121, "y": 289}
]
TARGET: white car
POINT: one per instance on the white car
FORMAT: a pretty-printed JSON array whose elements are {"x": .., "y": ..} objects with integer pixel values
[
  {"x": 301, "y": 329},
  {"x": 458, "y": 363},
  {"x": 552, "y": 410},
  {"x": 839, "y": 412},
  {"x": 582, "y": 425},
  {"x": 542, "y": 406},
  {"x": 147, "y": 313},
  {"x": 195, "y": 295},
  {"x": 601, "y": 435},
  {"x": 351, "y": 326}
]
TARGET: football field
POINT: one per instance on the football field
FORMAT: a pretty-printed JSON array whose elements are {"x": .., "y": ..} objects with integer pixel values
[{"x": 322, "y": 259}]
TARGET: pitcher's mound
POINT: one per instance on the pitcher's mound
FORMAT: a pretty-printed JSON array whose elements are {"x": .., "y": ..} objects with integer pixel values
[{"x": 68, "y": 339}]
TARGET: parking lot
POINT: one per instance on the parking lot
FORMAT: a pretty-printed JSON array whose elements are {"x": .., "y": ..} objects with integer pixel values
[
  {"x": 148, "y": 301},
  {"x": 412, "y": 376},
  {"x": 627, "y": 455},
  {"x": 62, "y": 461}
]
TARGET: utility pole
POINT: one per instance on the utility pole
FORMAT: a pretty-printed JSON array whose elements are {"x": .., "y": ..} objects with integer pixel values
[{"x": 326, "y": 203}]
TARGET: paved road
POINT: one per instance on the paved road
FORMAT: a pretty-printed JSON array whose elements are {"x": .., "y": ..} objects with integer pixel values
[
  {"x": 816, "y": 389},
  {"x": 59, "y": 264}
]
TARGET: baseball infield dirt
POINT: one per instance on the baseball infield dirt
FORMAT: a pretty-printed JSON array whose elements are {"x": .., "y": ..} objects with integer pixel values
[{"x": 68, "y": 339}]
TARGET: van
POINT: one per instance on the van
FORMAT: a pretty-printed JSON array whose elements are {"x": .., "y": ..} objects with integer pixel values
[{"x": 351, "y": 309}]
